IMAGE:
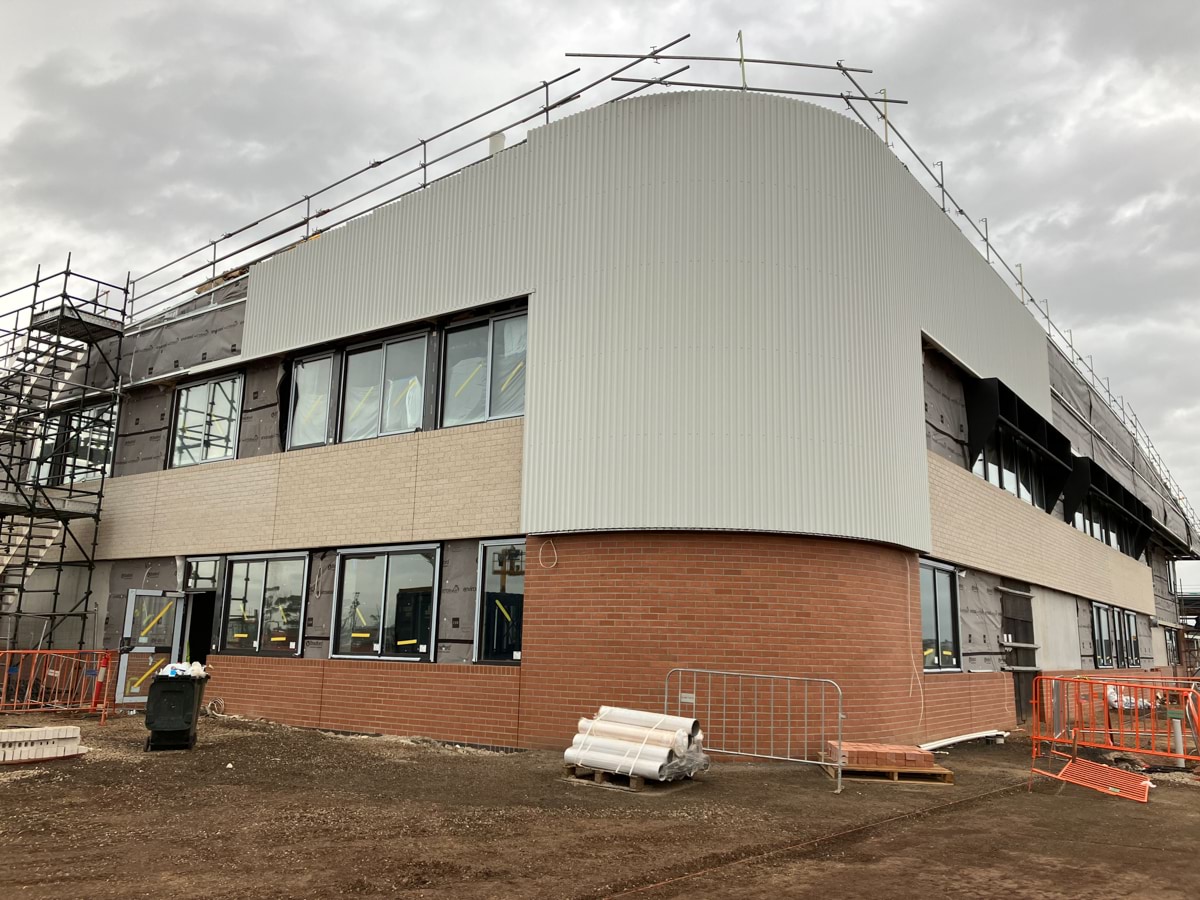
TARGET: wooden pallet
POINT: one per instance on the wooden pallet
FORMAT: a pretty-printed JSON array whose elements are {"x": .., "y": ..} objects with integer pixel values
[
  {"x": 609, "y": 779},
  {"x": 897, "y": 775}
]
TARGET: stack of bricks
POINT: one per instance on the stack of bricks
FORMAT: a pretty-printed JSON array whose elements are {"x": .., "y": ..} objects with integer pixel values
[
  {"x": 26, "y": 745},
  {"x": 879, "y": 756}
]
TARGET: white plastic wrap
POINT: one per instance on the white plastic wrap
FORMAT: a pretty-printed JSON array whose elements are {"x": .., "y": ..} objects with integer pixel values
[
  {"x": 677, "y": 740},
  {"x": 645, "y": 719},
  {"x": 624, "y": 748},
  {"x": 622, "y": 764}
]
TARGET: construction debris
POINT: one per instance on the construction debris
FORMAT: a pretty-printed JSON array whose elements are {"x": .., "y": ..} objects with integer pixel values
[{"x": 27, "y": 745}]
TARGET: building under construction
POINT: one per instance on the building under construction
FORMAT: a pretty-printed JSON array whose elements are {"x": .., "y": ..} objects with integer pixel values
[{"x": 497, "y": 430}]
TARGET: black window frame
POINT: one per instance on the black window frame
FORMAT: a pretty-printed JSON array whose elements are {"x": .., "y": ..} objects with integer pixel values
[
  {"x": 513, "y": 612},
  {"x": 55, "y": 466},
  {"x": 957, "y": 666},
  {"x": 1171, "y": 636},
  {"x": 235, "y": 433},
  {"x": 226, "y": 568},
  {"x": 380, "y": 344},
  {"x": 429, "y": 655},
  {"x": 1007, "y": 457},
  {"x": 489, "y": 321},
  {"x": 333, "y": 405},
  {"x": 1122, "y": 647}
]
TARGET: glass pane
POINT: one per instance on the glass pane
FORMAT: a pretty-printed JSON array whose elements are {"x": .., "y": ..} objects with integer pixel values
[
  {"x": 222, "y": 419},
  {"x": 1008, "y": 462},
  {"x": 1080, "y": 523},
  {"x": 47, "y": 450},
  {"x": 1025, "y": 474},
  {"x": 153, "y": 621},
  {"x": 929, "y": 640},
  {"x": 360, "y": 409},
  {"x": 283, "y": 601},
  {"x": 508, "y": 366},
  {"x": 202, "y": 575},
  {"x": 466, "y": 376},
  {"x": 503, "y": 601},
  {"x": 310, "y": 402},
  {"x": 245, "y": 604},
  {"x": 89, "y": 444},
  {"x": 403, "y": 380},
  {"x": 947, "y": 655},
  {"x": 410, "y": 603},
  {"x": 190, "y": 420},
  {"x": 360, "y": 610},
  {"x": 993, "y": 460}
]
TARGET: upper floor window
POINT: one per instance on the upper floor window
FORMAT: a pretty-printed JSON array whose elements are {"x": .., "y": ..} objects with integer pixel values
[
  {"x": 264, "y": 604},
  {"x": 312, "y": 388},
  {"x": 1009, "y": 463},
  {"x": 383, "y": 389},
  {"x": 77, "y": 446},
  {"x": 939, "y": 617},
  {"x": 484, "y": 371},
  {"x": 386, "y": 602},
  {"x": 206, "y": 418},
  {"x": 1104, "y": 523}
]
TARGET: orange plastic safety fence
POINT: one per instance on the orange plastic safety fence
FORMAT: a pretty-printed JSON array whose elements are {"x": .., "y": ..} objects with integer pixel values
[{"x": 56, "y": 681}]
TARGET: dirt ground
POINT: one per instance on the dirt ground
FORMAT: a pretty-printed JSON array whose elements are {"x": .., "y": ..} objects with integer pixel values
[{"x": 264, "y": 811}]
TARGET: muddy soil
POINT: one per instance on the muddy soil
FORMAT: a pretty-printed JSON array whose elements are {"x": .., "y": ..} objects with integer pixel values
[{"x": 265, "y": 811}]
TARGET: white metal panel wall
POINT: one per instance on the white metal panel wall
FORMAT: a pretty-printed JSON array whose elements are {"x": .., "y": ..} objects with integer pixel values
[
  {"x": 1056, "y": 630},
  {"x": 728, "y": 292}
]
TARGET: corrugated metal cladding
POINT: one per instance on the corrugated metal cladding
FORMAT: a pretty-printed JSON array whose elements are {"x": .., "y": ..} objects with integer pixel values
[{"x": 728, "y": 295}]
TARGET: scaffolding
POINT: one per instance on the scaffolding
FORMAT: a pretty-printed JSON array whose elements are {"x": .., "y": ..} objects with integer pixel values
[{"x": 61, "y": 340}]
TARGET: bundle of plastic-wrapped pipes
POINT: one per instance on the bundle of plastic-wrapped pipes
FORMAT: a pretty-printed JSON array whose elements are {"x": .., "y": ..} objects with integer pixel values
[{"x": 636, "y": 742}]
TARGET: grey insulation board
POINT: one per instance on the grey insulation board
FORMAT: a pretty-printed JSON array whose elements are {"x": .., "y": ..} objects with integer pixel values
[
  {"x": 1145, "y": 641},
  {"x": 1112, "y": 463},
  {"x": 945, "y": 408},
  {"x": 1086, "y": 649},
  {"x": 1069, "y": 423},
  {"x": 259, "y": 431},
  {"x": 1066, "y": 380},
  {"x": 979, "y": 614},
  {"x": 456, "y": 601},
  {"x": 318, "y": 610},
  {"x": 177, "y": 345}
]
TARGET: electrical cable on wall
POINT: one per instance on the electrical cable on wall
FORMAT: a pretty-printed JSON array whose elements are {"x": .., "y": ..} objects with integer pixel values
[{"x": 541, "y": 550}]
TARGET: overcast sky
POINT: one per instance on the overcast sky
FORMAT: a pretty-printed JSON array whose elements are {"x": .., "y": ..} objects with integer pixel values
[{"x": 131, "y": 132}]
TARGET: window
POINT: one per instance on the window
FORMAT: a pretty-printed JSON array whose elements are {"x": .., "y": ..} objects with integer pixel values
[
  {"x": 1115, "y": 638},
  {"x": 206, "y": 417},
  {"x": 386, "y": 603},
  {"x": 77, "y": 446},
  {"x": 484, "y": 374},
  {"x": 264, "y": 604},
  {"x": 939, "y": 618},
  {"x": 384, "y": 389},
  {"x": 1102, "y": 521},
  {"x": 312, "y": 382},
  {"x": 1172, "y": 637},
  {"x": 1010, "y": 464},
  {"x": 202, "y": 573},
  {"x": 501, "y": 600}
]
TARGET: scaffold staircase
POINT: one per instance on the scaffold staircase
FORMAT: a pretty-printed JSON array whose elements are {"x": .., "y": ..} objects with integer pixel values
[{"x": 60, "y": 353}]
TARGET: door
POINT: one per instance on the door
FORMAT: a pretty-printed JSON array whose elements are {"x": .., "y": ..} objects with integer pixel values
[
  {"x": 153, "y": 630},
  {"x": 1020, "y": 649}
]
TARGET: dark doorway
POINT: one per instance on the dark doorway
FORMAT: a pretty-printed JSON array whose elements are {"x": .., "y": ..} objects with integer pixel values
[
  {"x": 201, "y": 607},
  {"x": 1020, "y": 649}
]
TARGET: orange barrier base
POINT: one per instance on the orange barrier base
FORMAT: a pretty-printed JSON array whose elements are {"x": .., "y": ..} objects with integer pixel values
[{"x": 1105, "y": 779}]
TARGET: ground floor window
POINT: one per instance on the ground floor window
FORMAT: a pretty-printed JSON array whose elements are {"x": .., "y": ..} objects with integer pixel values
[
  {"x": 1115, "y": 638},
  {"x": 1172, "y": 637},
  {"x": 501, "y": 600},
  {"x": 939, "y": 617},
  {"x": 386, "y": 602},
  {"x": 264, "y": 604}
]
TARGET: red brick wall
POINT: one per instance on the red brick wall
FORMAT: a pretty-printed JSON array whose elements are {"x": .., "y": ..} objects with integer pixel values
[
  {"x": 617, "y": 611},
  {"x": 477, "y": 704}
]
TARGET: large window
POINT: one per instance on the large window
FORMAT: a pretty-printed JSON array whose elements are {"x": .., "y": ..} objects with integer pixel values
[
  {"x": 312, "y": 384},
  {"x": 501, "y": 600},
  {"x": 77, "y": 446},
  {"x": 1115, "y": 638},
  {"x": 386, "y": 602},
  {"x": 206, "y": 417},
  {"x": 1011, "y": 464},
  {"x": 383, "y": 389},
  {"x": 939, "y": 618},
  {"x": 264, "y": 604},
  {"x": 1103, "y": 522},
  {"x": 484, "y": 371}
]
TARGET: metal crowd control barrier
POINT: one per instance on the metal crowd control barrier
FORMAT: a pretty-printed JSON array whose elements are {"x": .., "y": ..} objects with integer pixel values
[
  {"x": 779, "y": 717},
  {"x": 1149, "y": 716},
  {"x": 56, "y": 681}
]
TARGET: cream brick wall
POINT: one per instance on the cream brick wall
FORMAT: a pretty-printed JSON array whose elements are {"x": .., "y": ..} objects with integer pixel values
[
  {"x": 978, "y": 525},
  {"x": 434, "y": 485}
]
